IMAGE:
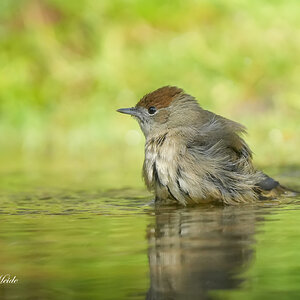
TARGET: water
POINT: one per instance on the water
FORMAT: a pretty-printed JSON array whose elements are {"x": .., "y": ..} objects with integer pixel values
[{"x": 82, "y": 242}]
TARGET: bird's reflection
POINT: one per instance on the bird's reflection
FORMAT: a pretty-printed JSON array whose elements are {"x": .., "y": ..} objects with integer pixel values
[{"x": 194, "y": 251}]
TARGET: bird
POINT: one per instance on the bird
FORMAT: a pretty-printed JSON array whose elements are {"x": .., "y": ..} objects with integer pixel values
[{"x": 195, "y": 156}]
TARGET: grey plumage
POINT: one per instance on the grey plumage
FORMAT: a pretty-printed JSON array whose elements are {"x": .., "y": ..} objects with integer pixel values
[{"x": 195, "y": 156}]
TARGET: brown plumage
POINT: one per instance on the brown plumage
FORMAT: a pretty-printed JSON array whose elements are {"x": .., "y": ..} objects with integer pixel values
[
  {"x": 160, "y": 98},
  {"x": 195, "y": 156}
]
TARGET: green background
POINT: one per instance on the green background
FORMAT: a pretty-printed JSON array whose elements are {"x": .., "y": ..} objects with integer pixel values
[{"x": 66, "y": 66}]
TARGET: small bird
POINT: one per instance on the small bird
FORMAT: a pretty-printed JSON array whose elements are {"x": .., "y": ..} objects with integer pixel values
[{"x": 195, "y": 156}]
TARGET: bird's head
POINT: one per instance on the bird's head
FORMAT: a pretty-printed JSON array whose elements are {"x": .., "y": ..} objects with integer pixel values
[{"x": 165, "y": 108}]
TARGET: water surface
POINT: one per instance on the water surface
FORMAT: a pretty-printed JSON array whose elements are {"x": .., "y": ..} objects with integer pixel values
[{"x": 78, "y": 241}]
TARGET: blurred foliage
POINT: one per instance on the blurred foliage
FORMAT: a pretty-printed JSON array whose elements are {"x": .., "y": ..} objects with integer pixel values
[{"x": 65, "y": 66}]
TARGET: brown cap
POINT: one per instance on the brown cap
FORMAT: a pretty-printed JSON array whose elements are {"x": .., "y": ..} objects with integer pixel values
[{"x": 160, "y": 98}]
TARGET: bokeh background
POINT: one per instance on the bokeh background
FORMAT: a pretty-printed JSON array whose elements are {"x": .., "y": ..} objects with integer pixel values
[{"x": 66, "y": 66}]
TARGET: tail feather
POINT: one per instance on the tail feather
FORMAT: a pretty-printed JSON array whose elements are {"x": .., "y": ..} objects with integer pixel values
[{"x": 268, "y": 188}]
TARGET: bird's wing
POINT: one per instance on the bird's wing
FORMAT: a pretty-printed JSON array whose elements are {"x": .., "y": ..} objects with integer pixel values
[
  {"x": 227, "y": 158},
  {"x": 224, "y": 135}
]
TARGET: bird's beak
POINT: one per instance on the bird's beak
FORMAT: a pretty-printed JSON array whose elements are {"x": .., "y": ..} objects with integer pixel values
[{"x": 130, "y": 111}]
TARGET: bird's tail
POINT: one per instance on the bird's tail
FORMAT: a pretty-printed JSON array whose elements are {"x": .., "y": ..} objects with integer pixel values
[{"x": 268, "y": 188}]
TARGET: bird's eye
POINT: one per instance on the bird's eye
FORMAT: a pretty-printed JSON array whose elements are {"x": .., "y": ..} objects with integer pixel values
[{"x": 152, "y": 110}]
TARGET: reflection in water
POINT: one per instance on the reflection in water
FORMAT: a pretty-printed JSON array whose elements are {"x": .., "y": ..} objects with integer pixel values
[
  {"x": 81, "y": 243},
  {"x": 193, "y": 251}
]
